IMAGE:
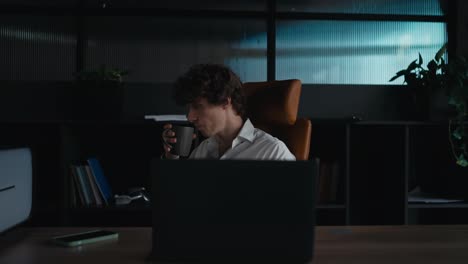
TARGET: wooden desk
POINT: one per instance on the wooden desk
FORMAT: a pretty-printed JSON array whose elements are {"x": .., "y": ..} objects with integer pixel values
[{"x": 354, "y": 244}]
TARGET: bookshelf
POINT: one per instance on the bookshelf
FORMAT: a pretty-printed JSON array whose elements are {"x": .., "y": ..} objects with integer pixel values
[
  {"x": 329, "y": 146},
  {"x": 379, "y": 163},
  {"x": 124, "y": 149},
  {"x": 382, "y": 161}
]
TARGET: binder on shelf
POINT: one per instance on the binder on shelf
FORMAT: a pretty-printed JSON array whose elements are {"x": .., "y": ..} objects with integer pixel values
[
  {"x": 102, "y": 184},
  {"x": 83, "y": 184},
  {"x": 92, "y": 199},
  {"x": 78, "y": 189},
  {"x": 95, "y": 190},
  {"x": 328, "y": 181},
  {"x": 73, "y": 189}
]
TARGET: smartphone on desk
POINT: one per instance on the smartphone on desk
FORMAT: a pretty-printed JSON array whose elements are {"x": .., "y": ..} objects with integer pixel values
[{"x": 78, "y": 239}]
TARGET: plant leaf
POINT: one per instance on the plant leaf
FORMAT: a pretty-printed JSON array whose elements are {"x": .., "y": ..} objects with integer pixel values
[
  {"x": 461, "y": 160},
  {"x": 456, "y": 134},
  {"x": 442, "y": 61},
  {"x": 397, "y": 75},
  {"x": 440, "y": 52},
  {"x": 412, "y": 66},
  {"x": 420, "y": 59},
  {"x": 432, "y": 66}
]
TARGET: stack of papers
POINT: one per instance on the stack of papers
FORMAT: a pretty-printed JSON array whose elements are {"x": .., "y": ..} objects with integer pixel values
[
  {"x": 417, "y": 196},
  {"x": 158, "y": 118}
]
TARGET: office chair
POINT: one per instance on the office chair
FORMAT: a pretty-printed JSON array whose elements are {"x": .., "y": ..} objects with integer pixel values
[{"x": 272, "y": 106}]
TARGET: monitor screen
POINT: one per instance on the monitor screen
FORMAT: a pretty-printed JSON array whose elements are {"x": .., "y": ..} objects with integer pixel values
[{"x": 15, "y": 186}]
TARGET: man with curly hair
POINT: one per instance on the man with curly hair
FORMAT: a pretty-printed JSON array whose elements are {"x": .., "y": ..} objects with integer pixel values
[{"x": 216, "y": 107}]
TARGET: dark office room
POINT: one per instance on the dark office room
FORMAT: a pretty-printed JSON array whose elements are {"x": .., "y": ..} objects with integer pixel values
[{"x": 364, "y": 104}]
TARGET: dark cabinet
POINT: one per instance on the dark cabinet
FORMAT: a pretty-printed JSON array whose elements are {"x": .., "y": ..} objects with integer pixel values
[{"x": 386, "y": 167}]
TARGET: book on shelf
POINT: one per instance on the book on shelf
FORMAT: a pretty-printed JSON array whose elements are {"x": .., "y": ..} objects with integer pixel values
[
  {"x": 92, "y": 182},
  {"x": 73, "y": 189},
  {"x": 78, "y": 192},
  {"x": 101, "y": 181},
  {"x": 328, "y": 181},
  {"x": 83, "y": 184},
  {"x": 88, "y": 185}
]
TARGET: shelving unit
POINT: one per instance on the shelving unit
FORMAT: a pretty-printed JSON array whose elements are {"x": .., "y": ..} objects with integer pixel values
[
  {"x": 380, "y": 162},
  {"x": 124, "y": 149},
  {"x": 329, "y": 144},
  {"x": 384, "y": 160},
  {"x": 436, "y": 172}
]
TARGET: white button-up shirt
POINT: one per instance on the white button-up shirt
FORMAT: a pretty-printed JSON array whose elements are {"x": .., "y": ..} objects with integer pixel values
[{"x": 251, "y": 143}]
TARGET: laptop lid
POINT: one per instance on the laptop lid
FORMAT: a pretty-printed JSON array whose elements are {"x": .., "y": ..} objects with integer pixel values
[
  {"x": 233, "y": 210},
  {"x": 15, "y": 187}
]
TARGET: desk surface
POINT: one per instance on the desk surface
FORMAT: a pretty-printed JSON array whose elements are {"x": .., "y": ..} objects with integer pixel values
[{"x": 348, "y": 244}]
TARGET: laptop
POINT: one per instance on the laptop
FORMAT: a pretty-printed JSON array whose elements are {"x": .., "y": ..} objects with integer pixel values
[{"x": 233, "y": 211}]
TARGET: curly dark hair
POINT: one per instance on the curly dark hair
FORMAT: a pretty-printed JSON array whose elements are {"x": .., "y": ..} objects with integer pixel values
[{"x": 214, "y": 82}]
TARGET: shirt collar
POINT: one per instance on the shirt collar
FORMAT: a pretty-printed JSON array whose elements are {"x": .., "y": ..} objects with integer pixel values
[{"x": 247, "y": 132}]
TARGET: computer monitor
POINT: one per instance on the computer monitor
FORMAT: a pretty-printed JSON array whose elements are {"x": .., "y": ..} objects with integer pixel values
[{"x": 15, "y": 187}]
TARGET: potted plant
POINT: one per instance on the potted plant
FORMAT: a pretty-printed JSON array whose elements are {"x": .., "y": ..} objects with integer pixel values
[
  {"x": 98, "y": 94},
  {"x": 452, "y": 80},
  {"x": 442, "y": 173},
  {"x": 457, "y": 86},
  {"x": 103, "y": 74},
  {"x": 425, "y": 83}
]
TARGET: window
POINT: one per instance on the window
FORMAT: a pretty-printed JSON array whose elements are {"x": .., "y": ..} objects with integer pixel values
[
  {"x": 161, "y": 49},
  {"x": 36, "y": 48},
  {"x": 371, "y": 41},
  {"x": 352, "y": 52},
  {"x": 338, "y": 42},
  {"x": 239, "y": 5},
  {"x": 392, "y": 7}
]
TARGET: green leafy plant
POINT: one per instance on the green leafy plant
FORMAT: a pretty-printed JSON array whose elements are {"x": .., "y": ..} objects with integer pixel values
[
  {"x": 452, "y": 78},
  {"x": 103, "y": 74},
  {"x": 423, "y": 82},
  {"x": 458, "y": 98}
]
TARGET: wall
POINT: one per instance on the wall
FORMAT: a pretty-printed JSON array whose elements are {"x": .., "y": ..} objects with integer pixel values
[
  {"x": 45, "y": 101},
  {"x": 462, "y": 28},
  {"x": 48, "y": 101}
]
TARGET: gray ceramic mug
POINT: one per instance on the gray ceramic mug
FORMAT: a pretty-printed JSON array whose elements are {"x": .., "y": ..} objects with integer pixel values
[{"x": 184, "y": 135}]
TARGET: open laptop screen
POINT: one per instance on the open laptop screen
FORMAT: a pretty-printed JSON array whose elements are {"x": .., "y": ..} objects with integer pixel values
[{"x": 223, "y": 210}]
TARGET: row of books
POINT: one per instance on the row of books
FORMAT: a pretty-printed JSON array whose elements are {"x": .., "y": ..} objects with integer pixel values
[
  {"x": 88, "y": 185},
  {"x": 328, "y": 181}
]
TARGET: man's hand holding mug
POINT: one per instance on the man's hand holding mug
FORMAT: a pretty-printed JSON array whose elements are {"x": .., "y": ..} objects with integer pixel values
[{"x": 177, "y": 140}]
